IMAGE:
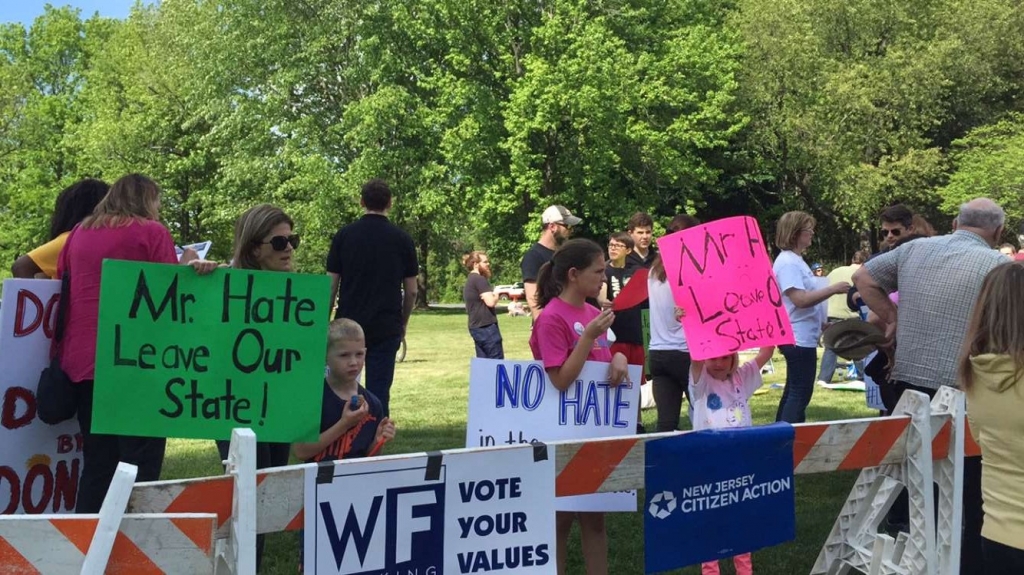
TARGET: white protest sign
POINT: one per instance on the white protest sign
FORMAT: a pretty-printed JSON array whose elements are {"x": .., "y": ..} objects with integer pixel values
[
  {"x": 488, "y": 511},
  {"x": 201, "y": 248},
  {"x": 39, "y": 464},
  {"x": 513, "y": 402}
]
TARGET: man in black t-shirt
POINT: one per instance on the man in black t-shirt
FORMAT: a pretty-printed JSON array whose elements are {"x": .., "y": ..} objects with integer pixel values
[
  {"x": 557, "y": 225},
  {"x": 480, "y": 302},
  {"x": 370, "y": 263}
]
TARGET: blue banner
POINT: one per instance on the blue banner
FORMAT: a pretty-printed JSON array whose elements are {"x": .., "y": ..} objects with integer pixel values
[{"x": 715, "y": 494}]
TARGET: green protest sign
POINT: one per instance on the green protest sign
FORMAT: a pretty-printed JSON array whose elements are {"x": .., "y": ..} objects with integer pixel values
[
  {"x": 184, "y": 355},
  {"x": 645, "y": 328}
]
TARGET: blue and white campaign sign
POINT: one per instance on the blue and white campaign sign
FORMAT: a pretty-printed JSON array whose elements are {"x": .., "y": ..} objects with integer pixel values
[
  {"x": 512, "y": 402},
  {"x": 438, "y": 514},
  {"x": 703, "y": 488},
  {"x": 872, "y": 393}
]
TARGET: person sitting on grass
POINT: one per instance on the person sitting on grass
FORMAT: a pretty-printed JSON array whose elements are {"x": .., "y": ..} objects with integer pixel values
[
  {"x": 721, "y": 389},
  {"x": 348, "y": 429}
]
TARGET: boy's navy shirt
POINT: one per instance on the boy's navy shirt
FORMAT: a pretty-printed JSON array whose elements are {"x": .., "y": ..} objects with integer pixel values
[{"x": 356, "y": 442}]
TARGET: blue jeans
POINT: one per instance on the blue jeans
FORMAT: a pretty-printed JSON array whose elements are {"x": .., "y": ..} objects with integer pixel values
[
  {"x": 380, "y": 369},
  {"x": 801, "y": 363},
  {"x": 488, "y": 341},
  {"x": 828, "y": 366}
]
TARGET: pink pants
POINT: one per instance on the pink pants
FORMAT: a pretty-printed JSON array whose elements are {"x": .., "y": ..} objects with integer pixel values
[{"x": 742, "y": 563}]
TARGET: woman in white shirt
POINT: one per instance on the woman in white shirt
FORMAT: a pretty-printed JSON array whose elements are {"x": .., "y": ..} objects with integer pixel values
[
  {"x": 793, "y": 235},
  {"x": 668, "y": 352}
]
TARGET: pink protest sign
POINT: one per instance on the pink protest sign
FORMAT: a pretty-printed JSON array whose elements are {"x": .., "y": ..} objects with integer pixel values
[{"x": 721, "y": 276}]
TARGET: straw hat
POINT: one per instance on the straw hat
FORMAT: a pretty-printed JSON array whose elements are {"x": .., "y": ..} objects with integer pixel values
[{"x": 852, "y": 339}]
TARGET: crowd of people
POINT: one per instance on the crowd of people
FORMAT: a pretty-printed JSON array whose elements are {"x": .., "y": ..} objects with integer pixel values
[
  {"x": 372, "y": 266},
  {"x": 950, "y": 303}
]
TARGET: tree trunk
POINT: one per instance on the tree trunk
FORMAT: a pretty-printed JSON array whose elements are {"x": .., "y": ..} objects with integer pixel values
[{"x": 421, "y": 277}]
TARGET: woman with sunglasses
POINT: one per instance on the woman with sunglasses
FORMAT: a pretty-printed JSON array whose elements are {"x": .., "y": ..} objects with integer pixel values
[{"x": 264, "y": 241}]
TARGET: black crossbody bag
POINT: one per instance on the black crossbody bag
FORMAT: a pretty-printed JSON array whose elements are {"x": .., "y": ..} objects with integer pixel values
[{"x": 56, "y": 396}]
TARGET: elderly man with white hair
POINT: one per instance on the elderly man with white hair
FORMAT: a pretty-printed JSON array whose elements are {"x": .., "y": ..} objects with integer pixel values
[{"x": 938, "y": 280}]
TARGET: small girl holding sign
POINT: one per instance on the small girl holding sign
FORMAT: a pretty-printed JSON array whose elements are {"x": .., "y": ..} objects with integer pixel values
[
  {"x": 567, "y": 334},
  {"x": 721, "y": 388}
]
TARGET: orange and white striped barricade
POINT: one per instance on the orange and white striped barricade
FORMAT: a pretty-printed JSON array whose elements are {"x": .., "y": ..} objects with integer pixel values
[
  {"x": 590, "y": 466},
  {"x": 617, "y": 464},
  {"x": 147, "y": 544},
  {"x": 236, "y": 554},
  {"x": 279, "y": 493},
  {"x": 108, "y": 542},
  {"x": 935, "y": 446}
]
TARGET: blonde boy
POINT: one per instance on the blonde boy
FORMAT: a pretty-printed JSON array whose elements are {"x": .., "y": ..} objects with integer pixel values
[{"x": 347, "y": 431}]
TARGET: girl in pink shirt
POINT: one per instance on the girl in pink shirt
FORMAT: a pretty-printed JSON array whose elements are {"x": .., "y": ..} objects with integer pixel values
[
  {"x": 568, "y": 333},
  {"x": 721, "y": 389}
]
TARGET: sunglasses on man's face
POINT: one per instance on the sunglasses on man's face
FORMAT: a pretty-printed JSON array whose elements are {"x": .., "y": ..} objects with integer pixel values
[
  {"x": 280, "y": 243},
  {"x": 894, "y": 233}
]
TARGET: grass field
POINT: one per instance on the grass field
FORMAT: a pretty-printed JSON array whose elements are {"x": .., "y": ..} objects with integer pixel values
[{"x": 429, "y": 402}]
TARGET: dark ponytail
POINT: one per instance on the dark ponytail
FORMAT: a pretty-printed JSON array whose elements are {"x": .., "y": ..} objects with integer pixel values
[{"x": 553, "y": 275}]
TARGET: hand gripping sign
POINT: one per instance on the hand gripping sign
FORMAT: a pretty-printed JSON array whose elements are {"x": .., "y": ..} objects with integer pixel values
[
  {"x": 721, "y": 276},
  {"x": 513, "y": 402}
]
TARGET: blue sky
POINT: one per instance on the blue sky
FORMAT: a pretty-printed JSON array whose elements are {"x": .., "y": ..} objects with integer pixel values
[{"x": 25, "y": 11}]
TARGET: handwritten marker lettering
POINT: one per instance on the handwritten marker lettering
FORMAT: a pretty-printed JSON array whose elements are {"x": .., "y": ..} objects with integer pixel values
[
  {"x": 723, "y": 279},
  {"x": 200, "y": 355}
]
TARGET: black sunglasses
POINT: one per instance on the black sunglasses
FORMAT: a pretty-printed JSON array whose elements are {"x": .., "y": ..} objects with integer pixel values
[
  {"x": 280, "y": 243},
  {"x": 896, "y": 232}
]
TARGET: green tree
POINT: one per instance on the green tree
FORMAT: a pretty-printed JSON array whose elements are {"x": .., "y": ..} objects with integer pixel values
[
  {"x": 854, "y": 104},
  {"x": 989, "y": 162},
  {"x": 41, "y": 70}
]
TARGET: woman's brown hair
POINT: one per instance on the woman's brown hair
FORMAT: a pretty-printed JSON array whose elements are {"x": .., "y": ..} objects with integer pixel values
[
  {"x": 789, "y": 227},
  {"x": 251, "y": 228},
  {"x": 132, "y": 198},
  {"x": 997, "y": 323}
]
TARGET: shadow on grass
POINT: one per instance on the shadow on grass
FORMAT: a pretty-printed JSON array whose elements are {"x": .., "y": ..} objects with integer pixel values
[{"x": 440, "y": 311}]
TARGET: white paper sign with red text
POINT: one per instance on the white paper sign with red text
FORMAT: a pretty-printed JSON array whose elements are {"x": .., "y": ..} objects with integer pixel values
[{"x": 39, "y": 464}]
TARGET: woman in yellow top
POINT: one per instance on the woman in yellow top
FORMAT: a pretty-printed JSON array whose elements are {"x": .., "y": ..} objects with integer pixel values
[
  {"x": 992, "y": 374},
  {"x": 73, "y": 205}
]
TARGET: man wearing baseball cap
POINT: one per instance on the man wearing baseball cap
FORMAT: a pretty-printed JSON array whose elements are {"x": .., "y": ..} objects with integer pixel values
[{"x": 557, "y": 223}]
